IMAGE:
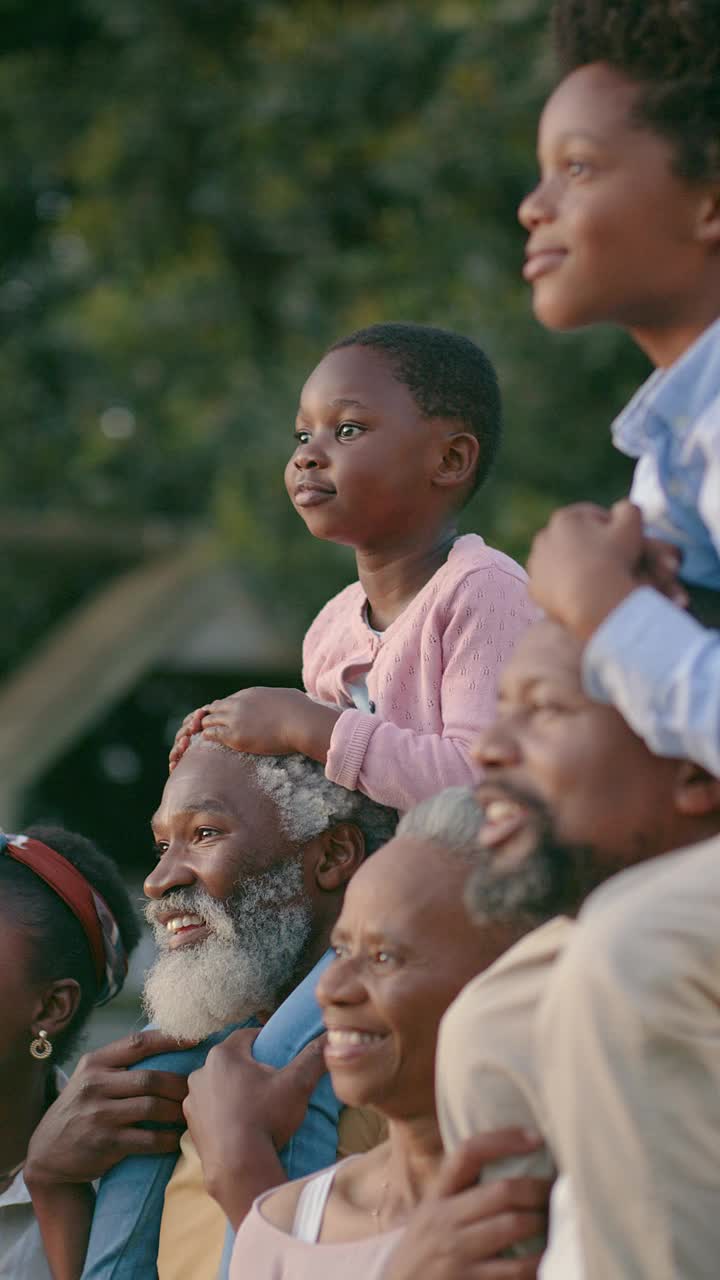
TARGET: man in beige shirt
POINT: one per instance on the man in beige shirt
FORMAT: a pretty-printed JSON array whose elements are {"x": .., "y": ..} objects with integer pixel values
[{"x": 572, "y": 796}]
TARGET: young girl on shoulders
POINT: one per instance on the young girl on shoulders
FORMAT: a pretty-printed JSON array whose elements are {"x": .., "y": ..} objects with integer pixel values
[{"x": 397, "y": 427}]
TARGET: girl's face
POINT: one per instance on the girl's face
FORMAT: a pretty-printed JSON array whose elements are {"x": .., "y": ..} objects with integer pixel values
[
  {"x": 361, "y": 473},
  {"x": 405, "y": 948},
  {"x": 20, "y": 998},
  {"x": 615, "y": 235}
]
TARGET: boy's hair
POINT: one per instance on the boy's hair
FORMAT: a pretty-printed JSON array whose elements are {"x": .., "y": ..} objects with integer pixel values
[
  {"x": 58, "y": 945},
  {"x": 447, "y": 375},
  {"x": 672, "y": 49}
]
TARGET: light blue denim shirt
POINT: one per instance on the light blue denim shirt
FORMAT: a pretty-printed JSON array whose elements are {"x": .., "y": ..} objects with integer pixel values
[
  {"x": 657, "y": 665},
  {"x": 672, "y": 426},
  {"x": 126, "y": 1223}
]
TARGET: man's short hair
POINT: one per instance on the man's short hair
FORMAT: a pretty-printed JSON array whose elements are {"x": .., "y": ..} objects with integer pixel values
[
  {"x": 672, "y": 49},
  {"x": 447, "y": 375}
]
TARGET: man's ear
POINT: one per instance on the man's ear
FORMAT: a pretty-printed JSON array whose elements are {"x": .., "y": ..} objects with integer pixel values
[
  {"x": 341, "y": 853},
  {"x": 458, "y": 460},
  {"x": 697, "y": 792},
  {"x": 56, "y": 1007}
]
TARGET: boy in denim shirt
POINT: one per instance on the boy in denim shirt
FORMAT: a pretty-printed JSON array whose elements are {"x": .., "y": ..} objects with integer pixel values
[{"x": 624, "y": 228}]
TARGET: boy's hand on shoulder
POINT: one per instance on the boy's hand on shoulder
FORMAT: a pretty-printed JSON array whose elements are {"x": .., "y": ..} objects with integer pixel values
[
  {"x": 585, "y": 562},
  {"x": 271, "y": 722}
]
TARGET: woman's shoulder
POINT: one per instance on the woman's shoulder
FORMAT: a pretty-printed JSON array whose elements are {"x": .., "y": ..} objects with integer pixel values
[{"x": 279, "y": 1207}]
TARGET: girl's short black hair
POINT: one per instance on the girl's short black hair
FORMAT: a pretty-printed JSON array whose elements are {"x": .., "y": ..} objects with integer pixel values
[
  {"x": 59, "y": 947},
  {"x": 672, "y": 49},
  {"x": 447, "y": 375}
]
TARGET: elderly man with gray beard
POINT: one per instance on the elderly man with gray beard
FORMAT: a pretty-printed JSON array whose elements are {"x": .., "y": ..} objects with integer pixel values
[{"x": 254, "y": 854}]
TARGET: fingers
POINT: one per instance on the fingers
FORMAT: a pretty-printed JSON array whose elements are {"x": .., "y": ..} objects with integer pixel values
[
  {"x": 145, "y": 1109},
  {"x": 308, "y": 1067},
  {"x": 142, "y": 1142},
  {"x": 464, "y": 1166},
  {"x": 487, "y": 1239},
  {"x": 191, "y": 725},
  {"x": 138, "y": 1084},
  {"x": 132, "y": 1049}
]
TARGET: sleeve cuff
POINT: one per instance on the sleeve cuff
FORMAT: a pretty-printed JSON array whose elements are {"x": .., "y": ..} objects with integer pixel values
[
  {"x": 348, "y": 744},
  {"x": 646, "y": 636}
]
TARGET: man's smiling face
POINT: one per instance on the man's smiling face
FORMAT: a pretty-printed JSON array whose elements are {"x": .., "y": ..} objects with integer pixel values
[
  {"x": 228, "y": 903},
  {"x": 577, "y": 759}
]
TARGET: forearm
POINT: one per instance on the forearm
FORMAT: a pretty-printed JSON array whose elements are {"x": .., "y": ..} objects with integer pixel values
[
  {"x": 256, "y": 1167},
  {"x": 398, "y": 767},
  {"x": 661, "y": 669},
  {"x": 64, "y": 1213}
]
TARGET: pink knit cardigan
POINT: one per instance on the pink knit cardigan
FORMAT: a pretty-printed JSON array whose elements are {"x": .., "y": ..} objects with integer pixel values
[{"x": 431, "y": 676}]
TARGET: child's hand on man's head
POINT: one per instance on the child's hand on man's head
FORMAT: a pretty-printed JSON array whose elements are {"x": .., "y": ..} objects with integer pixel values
[
  {"x": 190, "y": 726},
  {"x": 269, "y": 722},
  {"x": 588, "y": 559}
]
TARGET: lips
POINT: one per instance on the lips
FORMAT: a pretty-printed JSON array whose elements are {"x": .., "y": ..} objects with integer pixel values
[
  {"x": 183, "y": 928},
  {"x": 540, "y": 262},
  {"x": 346, "y": 1044},
  {"x": 504, "y": 817},
  {"x": 308, "y": 494}
]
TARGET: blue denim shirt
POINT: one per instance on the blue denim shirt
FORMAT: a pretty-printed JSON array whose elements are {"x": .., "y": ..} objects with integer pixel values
[
  {"x": 672, "y": 426},
  {"x": 126, "y": 1224},
  {"x": 650, "y": 659}
]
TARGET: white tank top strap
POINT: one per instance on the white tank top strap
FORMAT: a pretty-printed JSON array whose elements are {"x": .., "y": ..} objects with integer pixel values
[{"x": 310, "y": 1207}]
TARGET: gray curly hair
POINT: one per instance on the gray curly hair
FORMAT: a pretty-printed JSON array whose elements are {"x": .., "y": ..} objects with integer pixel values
[
  {"x": 452, "y": 819},
  {"x": 309, "y": 803}
]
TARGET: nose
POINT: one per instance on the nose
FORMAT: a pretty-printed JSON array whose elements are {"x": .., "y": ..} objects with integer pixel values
[
  {"x": 499, "y": 746},
  {"x": 171, "y": 872},
  {"x": 341, "y": 983},
  {"x": 310, "y": 455},
  {"x": 537, "y": 207}
]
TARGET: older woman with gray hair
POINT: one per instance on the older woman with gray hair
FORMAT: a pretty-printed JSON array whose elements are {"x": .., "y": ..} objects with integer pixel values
[{"x": 404, "y": 947}]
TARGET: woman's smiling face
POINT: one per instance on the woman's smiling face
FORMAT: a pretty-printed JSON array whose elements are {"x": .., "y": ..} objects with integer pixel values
[{"x": 405, "y": 947}]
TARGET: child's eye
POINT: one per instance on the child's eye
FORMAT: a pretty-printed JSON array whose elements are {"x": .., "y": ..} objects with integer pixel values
[
  {"x": 302, "y": 436},
  {"x": 381, "y": 958},
  {"x": 349, "y": 431},
  {"x": 339, "y": 949},
  {"x": 578, "y": 168}
]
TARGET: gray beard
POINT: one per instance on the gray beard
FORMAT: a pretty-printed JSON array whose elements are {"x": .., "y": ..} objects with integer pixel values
[{"x": 256, "y": 942}]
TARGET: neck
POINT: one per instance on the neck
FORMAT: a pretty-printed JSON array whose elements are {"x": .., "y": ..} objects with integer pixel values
[
  {"x": 23, "y": 1102},
  {"x": 665, "y": 344},
  {"x": 312, "y": 953},
  {"x": 392, "y": 576},
  {"x": 416, "y": 1152}
]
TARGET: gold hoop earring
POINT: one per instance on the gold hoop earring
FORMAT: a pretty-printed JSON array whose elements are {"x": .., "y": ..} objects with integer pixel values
[{"x": 41, "y": 1046}]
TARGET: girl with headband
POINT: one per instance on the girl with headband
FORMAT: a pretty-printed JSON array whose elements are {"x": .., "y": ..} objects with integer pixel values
[{"x": 67, "y": 927}]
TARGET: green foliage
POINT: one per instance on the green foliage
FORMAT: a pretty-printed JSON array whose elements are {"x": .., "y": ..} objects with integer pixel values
[{"x": 196, "y": 196}]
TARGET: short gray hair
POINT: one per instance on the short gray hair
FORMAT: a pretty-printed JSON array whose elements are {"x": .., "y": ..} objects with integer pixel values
[
  {"x": 308, "y": 803},
  {"x": 452, "y": 819}
]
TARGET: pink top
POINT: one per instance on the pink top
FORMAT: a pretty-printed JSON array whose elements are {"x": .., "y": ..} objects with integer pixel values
[
  {"x": 432, "y": 675},
  {"x": 264, "y": 1252}
]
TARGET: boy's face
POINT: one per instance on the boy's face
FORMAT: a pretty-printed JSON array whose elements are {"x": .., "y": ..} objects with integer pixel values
[
  {"x": 361, "y": 473},
  {"x": 615, "y": 234}
]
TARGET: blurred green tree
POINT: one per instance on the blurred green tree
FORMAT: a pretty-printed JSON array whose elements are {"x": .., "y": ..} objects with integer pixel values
[{"x": 196, "y": 196}]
